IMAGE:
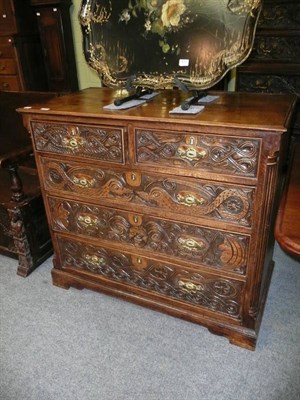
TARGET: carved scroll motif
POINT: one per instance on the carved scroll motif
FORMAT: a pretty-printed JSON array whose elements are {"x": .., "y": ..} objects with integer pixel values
[
  {"x": 105, "y": 143},
  {"x": 215, "y": 249},
  {"x": 5, "y": 229},
  {"x": 216, "y": 294},
  {"x": 269, "y": 83},
  {"x": 218, "y": 154},
  {"x": 280, "y": 15},
  {"x": 191, "y": 198},
  {"x": 286, "y": 49}
]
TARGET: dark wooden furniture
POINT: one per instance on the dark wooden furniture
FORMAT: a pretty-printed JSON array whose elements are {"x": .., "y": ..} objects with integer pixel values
[
  {"x": 21, "y": 58},
  {"x": 287, "y": 229},
  {"x": 173, "y": 212},
  {"x": 274, "y": 62},
  {"x": 53, "y": 17},
  {"x": 24, "y": 232}
]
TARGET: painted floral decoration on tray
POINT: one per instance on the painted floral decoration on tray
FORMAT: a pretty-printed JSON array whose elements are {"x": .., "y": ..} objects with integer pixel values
[
  {"x": 161, "y": 17},
  {"x": 153, "y": 43}
]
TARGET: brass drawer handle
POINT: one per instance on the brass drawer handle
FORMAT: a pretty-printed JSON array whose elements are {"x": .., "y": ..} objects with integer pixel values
[
  {"x": 189, "y": 199},
  {"x": 191, "y": 153},
  {"x": 190, "y": 287},
  {"x": 93, "y": 259},
  {"x": 73, "y": 142},
  {"x": 83, "y": 182},
  {"x": 87, "y": 220},
  {"x": 191, "y": 244}
]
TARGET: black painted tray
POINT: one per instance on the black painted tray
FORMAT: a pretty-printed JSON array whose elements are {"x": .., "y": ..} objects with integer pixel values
[{"x": 156, "y": 43}]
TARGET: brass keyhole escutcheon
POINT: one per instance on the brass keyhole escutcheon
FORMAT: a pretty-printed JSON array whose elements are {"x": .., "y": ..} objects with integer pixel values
[{"x": 133, "y": 178}]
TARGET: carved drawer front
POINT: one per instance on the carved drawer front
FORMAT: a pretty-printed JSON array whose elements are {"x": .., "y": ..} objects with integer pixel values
[
  {"x": 192, "y": 243},
  {"x": 280, "y": 15},
  {"x": 212, "y": 153},
  {"x": 184, "y": 284},
  {"x": 268, "y": 83},
  {"x": 276, "y": 48},
  {"x": 185, "y": 196},
  {"x": 97, "y": 142}
]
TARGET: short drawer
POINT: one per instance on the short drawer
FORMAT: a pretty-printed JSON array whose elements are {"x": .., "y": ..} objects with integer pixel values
[
  {"x": 8, "y": 66},
  {"x": 185, "y": 196},
  {"x": 211, "y": 248},
  {"x": 10, "y": 83},
  {"x": 195, "y": 152},
  {"x": 187, "y": 285},
  {"x": 105, "y": 143}
]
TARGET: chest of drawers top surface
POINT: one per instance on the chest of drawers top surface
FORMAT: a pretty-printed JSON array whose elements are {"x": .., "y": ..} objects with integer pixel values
[{"x": 241, "y": 110}]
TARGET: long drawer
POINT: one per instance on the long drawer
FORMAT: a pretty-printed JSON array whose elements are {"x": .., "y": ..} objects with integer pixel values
[
  {"x": 188, "y": 243},
  {"x": 169, "y": 280},
  {"x": 182, "y": 196}
]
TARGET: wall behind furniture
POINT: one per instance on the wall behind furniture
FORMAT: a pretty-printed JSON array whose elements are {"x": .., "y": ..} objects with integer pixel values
[{"x": 86, "y": 76}]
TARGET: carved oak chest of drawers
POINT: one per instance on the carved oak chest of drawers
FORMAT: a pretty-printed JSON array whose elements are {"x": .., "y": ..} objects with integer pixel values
[{"x": 171, "y": 212}]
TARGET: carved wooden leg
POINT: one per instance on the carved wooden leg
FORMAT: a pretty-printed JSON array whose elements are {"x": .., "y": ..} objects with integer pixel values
[
  {"x": 16, "y": 183},
  {"x": 21, "y": 242}
]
